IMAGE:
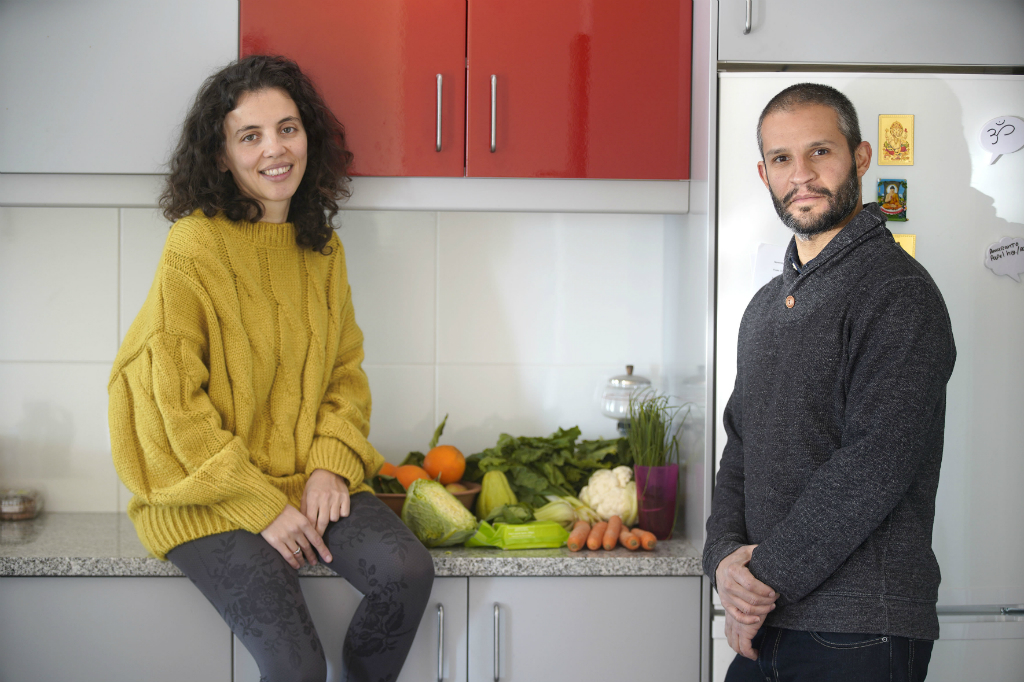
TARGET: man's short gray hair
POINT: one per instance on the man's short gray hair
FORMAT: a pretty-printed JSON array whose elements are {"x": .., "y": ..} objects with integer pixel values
[{"x": 803, "y": 94}]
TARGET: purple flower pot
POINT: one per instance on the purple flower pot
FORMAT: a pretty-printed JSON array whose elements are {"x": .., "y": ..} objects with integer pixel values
[{"x": 656, "y": 498}]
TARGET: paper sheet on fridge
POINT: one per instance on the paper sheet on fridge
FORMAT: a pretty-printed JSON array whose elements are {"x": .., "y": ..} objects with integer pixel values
[{"x": 767, "y": 264}]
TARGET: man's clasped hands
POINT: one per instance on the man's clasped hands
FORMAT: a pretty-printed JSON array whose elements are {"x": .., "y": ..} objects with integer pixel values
[{"x": 746, "y": 600}]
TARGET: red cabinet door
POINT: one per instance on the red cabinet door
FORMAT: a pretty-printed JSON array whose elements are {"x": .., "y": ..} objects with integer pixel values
[
  {"x": 376, "y": 63},
  {"x": 583, "y": 88}
]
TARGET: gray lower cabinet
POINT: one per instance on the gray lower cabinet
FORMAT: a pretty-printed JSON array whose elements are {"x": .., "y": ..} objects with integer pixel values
[
  {"x": 110, "y": 629},
  {"x": 332, "y": 602},
  {"x": 128, "y": 629},
  {"x": 557, "y": 629}
]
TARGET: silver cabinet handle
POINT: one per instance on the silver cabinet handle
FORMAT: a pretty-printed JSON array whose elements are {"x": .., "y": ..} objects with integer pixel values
[
  {"x": 438, "y": 119},
  {"x": 497, "y": 643},
  {"x": 494, "y": 144},
  {"x": 750, "y": 11},
  {"x": 440, "y": 608}
]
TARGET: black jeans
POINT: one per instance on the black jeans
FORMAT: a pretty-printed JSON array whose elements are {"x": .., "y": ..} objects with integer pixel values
[
  {"x": 257, "y": 594},
  {"x": 797, "y": 656}
]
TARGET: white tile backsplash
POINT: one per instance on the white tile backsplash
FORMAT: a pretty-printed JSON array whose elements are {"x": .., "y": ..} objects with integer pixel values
[
  {"x": 542, "y": 288},
  {"x": 58, "y": 284},
  {"x": 509, "y": 322},
  {"x": 402, "y": 420},
  {"x": 391, "y": 258},
  {"x": 143, "y": 234},
  {"x": 53, "y": 434}
]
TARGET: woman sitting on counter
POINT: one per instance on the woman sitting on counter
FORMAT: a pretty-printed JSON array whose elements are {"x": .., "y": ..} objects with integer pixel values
[{"x": 239, "y": 410}]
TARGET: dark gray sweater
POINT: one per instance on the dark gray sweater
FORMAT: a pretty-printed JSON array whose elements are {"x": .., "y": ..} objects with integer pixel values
[{"x": 835, "y": 432}]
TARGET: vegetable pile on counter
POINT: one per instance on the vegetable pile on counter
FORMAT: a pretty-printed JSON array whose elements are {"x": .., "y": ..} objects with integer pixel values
[
  {"x": 534, "y": 490},
  {"x": 540, "y": 476}
]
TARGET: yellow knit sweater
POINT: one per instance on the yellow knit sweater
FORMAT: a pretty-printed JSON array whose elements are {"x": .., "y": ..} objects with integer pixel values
[{"x": 240, "y": 376}]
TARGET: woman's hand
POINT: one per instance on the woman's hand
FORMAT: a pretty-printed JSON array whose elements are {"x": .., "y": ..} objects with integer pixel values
[
  {"x": 324, "y": 499},
  {"x": 295, "y": 538}
]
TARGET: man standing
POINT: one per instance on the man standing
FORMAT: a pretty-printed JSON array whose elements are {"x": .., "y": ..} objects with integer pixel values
[{"x": 819, "y": 540}]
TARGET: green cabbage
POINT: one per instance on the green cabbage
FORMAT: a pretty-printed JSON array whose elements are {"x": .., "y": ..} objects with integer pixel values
[{"x": 435, "y": 516}]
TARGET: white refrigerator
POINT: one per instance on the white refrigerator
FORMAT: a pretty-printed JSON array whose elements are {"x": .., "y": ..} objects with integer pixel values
[{"x": 958, "y": 204}]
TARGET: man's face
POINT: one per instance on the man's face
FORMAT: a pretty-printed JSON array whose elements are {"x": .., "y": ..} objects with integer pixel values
[{"x": 813, "y": 179}]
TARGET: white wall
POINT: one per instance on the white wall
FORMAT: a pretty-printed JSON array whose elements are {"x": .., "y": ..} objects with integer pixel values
[{"x": 509, "y": 322}]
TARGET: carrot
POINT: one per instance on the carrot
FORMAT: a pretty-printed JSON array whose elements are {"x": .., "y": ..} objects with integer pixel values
[
  {"x": 578, "y": 536},
  {"x": 647, "y": 539},
  {"x": 628, "y": 540},
  {"x": 611, "y": 534},
  {"x": 596, "y": 536}
]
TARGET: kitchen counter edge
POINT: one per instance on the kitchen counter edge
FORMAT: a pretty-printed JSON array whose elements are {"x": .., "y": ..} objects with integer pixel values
[{"x": 104, "y": 544}]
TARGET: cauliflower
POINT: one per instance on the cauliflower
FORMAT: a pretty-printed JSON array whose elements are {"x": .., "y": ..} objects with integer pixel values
[{"x": 612, "y": 492}]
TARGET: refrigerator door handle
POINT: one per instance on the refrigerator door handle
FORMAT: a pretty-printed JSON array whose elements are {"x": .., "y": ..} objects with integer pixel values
[{"x": 750, "y": 13}]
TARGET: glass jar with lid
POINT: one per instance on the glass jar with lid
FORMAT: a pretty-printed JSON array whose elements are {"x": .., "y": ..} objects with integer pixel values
[
  {"x": 18, "y": 504},
  {"x": 616, "y": 394}
]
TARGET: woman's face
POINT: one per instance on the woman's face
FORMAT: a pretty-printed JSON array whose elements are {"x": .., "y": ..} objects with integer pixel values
[{"x": 265, "y": 150}]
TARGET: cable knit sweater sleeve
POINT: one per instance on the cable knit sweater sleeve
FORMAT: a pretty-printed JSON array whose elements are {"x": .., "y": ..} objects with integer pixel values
[
  {"x": 169, "y": 443},
  {"x": 343, "y": 420}
]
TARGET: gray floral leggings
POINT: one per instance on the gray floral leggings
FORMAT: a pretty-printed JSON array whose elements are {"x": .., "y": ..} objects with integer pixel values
[{"x": 258, "y": 594}]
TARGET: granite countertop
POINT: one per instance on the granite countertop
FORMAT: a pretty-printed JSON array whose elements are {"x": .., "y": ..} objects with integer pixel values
[{"x": 105, "y": 544}]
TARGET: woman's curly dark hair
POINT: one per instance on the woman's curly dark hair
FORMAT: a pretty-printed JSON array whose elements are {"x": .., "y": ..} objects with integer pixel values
[{"x": 196, "y": 182}]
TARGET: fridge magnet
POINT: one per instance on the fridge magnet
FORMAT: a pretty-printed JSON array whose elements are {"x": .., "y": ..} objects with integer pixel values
[
  {"x": 1002, "y": 135},
  {"x": 1006, "y": 257},
  {"x": 892, "y": 199},
  {"x": 896, "y": 140},
  {"x": 908, "y": 242}
]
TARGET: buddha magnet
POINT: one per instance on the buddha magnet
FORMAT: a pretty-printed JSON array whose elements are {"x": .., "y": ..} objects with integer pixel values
[{"x": 892, "y": 199}]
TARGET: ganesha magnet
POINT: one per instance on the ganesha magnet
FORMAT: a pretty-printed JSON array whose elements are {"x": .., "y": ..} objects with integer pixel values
[{"x": 896, "y": 140}]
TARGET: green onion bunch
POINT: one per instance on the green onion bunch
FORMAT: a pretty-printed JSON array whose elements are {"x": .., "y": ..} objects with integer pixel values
[{"x": 653, "y": 438}]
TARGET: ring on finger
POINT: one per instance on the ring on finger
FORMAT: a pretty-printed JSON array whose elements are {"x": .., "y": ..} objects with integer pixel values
[{"x": 298, "y": 551}]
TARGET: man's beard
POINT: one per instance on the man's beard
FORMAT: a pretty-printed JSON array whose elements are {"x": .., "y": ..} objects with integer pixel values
[{"x": 841, "y": 203}]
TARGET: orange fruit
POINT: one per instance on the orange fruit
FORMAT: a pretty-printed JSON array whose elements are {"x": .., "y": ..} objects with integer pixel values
[
  {"x": 388, "y": 469},
  {"x": 407, "y": 473},
  {"x": 445, "y": 463}
]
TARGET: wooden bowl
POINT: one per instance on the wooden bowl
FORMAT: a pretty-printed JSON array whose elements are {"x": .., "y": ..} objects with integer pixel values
[{"x": 396, "y": 500}]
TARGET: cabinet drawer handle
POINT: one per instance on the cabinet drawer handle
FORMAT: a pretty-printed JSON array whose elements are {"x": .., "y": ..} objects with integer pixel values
[
  {"x": 494, "y": 144},
  {"x": 440, "y": 608},
  {"x": 497, "y": 622},
  {"x": 438, "y": 119},
  {"x": 750, "y": 11}
]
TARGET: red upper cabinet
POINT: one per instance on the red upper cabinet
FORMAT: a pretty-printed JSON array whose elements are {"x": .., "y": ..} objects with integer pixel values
[
  {"x": 376, "y": 64},
  {"x": 582, "y": 88}
]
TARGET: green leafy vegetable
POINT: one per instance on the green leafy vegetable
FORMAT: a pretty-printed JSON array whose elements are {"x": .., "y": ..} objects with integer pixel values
[
  {"x": 510, "y": 513},
  {"x": 382, "y": 483},
  {"x": 437, "y": 433},
  {"x": 556, "y": 465},
  {"x": 413, "y": 458}
]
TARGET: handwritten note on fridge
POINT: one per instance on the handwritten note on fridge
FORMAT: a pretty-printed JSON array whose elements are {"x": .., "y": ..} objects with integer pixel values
[{"x": 767, "y": 264}]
